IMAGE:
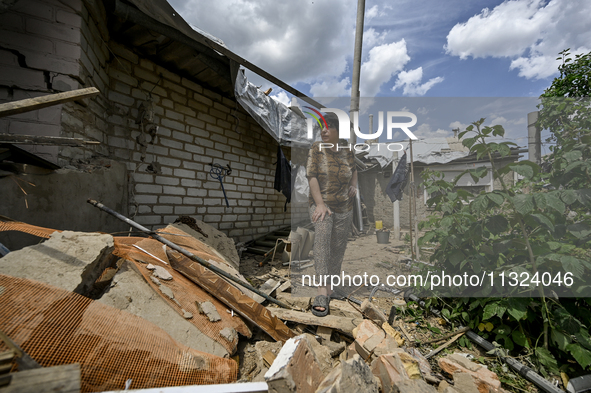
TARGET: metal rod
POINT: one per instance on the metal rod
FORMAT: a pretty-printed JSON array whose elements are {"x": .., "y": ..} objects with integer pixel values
[
  {"x": 521, "y": 369},
  {"x": 357, "y": 62},
  {"x": 186, "y": 253}
]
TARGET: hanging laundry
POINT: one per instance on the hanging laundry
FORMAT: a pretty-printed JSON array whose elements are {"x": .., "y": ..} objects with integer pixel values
[
  {"x": 398, "y": 181},
  {"x": 283, "y": 176}
]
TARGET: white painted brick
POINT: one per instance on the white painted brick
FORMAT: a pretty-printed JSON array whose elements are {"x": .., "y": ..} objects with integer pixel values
[
  {"x": 162, "y": 209},
  {"x": 182, "y": 136},
  {"x": 184, "y": 173},
  {"x": 68, "y": 18},
  {"x": 169, "y": 190},
  {"x": 235, "y": 232},
  {"x": 184, "y": 210},
  {"x": 199, "y": 132},
  {"x": 212, "y": 218},
  {"x": 170, "y": 200},
  {"x": 46, "y": 29},
  {"x": 169, "y": 162},
  {"x": 212, "y": 201},
  {"x": 174, "y": 115},
  {"x": 148, "y": 188},
  {"x": 121, "y": 98},
  {"x": 196, "y": 192},
  {"x": 148, "y": 220},
  {"x": 192, "y": 201},
  {"x": 174, "y": 125},
  {"x": 170, "y": 181},
  {"x": 183, "y": 155},
  {"x": 144, "y": 209},
  {"x": 190, "y": 183},
  {"x": 192, "y": 165},
  {"x": 146, "y": 198}
]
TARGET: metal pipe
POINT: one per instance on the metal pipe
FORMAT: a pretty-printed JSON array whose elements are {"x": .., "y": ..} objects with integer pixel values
[
  {"x": 186, "y": 253},
  {"x": 521, "y": 369},
  {"x": 357, "y": 62}
]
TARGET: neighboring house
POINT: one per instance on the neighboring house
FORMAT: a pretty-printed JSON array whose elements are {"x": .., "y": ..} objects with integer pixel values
[
  {"x": 166, "y": 112},
  {"x": 446, "y": 155}
]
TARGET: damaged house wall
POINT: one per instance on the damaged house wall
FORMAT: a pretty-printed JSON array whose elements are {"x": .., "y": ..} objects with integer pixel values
[{"x": 196, "y": 125}]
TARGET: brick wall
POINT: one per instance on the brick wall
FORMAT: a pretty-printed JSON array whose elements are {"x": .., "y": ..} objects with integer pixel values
[
  {"x": 39, "y": 51},
  {"x": 196, "y": 127}
]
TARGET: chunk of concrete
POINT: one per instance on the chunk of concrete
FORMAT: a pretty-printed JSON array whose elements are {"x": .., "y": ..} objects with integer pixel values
[
  {"x": 209, "y": 310},
  {"x": 68, "y": 260},
  {"x": 415, "y": 386},
  {"x": 341, "y": 308},
  {"x": 464, "y": 383},
  {"x": 302, "y": 302},
  {"x": 485, "y": 379},
  {"x": 389, "y": 370},
  {"x": 373, "y": 312},
  {"x": 161, "y": 273},
  {"x": 130, "y": 292},
  {"x": 217, "y": 240},
  {"x": 229, "y": 334},
  {"x": 353, "y": 375},
  {"x": 295, "y": 369}
]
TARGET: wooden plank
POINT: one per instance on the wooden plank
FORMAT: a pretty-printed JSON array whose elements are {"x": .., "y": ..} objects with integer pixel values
[
  {"x": 230, "y": 296},
  {"x": 324, "y": 332},
  {"x": 44, "y": 140},
  {"x": 342, "y": 324},
  {"x": 64, "y": 379},
  {"x": 268, "y": 288},
  {"x": 31, "y": 104}
]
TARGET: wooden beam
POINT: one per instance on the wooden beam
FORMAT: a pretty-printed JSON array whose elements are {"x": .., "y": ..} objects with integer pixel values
[
  {"x": 44, "y": 140},
  {"x": 64, "y": 379},
  {"x": 342, "y": 324},
  {"x": 31, "y": 104}
]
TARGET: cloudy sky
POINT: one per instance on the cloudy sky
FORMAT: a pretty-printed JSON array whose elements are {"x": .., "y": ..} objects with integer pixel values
[{"x": 411, "y": 48}]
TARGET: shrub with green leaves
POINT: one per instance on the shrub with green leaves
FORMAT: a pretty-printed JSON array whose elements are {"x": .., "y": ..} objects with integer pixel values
[{"x": 540, "y": 229}]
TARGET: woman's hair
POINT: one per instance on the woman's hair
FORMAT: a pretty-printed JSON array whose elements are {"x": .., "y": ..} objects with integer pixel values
[{"x": 332, "y": 120}]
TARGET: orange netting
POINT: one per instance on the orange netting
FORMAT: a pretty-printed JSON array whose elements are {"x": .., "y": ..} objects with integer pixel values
[
  {"x": 59, "y": 327},
  {"x": 26, "y": 228},
  {"x": 186, "y": 293}
]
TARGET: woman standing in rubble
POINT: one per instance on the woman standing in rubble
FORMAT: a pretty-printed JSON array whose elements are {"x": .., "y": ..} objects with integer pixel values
[{"x": 332, "y": 177}]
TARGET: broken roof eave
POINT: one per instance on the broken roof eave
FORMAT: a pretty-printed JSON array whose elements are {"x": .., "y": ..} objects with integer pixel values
[{"x": 154, "y": 15}]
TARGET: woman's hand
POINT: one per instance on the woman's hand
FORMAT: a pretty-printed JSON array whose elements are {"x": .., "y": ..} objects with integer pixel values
[
  {"x": 320, "y": 212},
  {"x": 352, "y": 191}
]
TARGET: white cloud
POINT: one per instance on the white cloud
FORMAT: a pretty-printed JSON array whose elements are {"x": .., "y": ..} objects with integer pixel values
[
  {"x": 384, "y": 61},
  {"x": 410, "y": 82},
  {"x": 372, "y": 38},
  {"x": 531, "y": 32},
  {"x": 331, "y": 87},
  {"x": 295, "y": 41},
  {"x": 458, "y": 124},
  {"x": 281, "y": 97},
  {"x": 372, "y": 12}
]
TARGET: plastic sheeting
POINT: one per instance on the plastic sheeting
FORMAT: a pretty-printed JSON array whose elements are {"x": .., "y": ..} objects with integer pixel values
[{"x": 283, "y": 124}]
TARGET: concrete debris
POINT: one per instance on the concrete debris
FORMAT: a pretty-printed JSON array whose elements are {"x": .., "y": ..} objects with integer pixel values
[
  {"x": 353, "y": 375},
  {"x": 464, "y": 383},
  {"x": 260, "y": 349},
  {"x": 162, "y": 273},
  {"x": 229, "y": 334},
  {"x": 155, "y": 280},
  {"x": 209, "y": 310},
  {"x": 415, "y": 386},
  {"x": 393, "y": 333},
  {"x": 484, "y": 379},
  {"x": 342, "y": 308},
  {"x": 295, "y": 369},
  {"x": 372, "y": 312},
  {"x": 167, "y": 291},
  {"x": 390, "y": 371},
  {"x": 149, "y": 266},
  {"x": 187, "y": 314},
  {"x": 216, "y": 240},
  {"x": 130, "y": 292},
  {"x": 68, "y": 260},
  {"x": 298, "y": 302}
]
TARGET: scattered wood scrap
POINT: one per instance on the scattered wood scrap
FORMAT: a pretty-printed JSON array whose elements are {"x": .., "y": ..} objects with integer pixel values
[
  {"x": 31, "y": 104},
  {"x": 65, "y": 379},
  {"x": 342, "y": 324},
  {"x": 45, "y": 140}
]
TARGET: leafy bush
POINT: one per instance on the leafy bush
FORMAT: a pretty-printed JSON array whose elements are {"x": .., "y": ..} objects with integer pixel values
[{"x": 540, "y": 228}]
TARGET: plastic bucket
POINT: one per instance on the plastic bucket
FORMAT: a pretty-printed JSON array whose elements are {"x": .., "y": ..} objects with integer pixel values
[
  {"x": 383, "y": 237},
  {"x": 378, "y": 225}
]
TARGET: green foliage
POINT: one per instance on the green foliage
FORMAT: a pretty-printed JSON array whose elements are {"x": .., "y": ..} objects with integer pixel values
[{"x": 542, "y": 225}]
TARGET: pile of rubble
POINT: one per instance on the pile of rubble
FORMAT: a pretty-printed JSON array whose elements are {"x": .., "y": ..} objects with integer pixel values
[{"x": 352, "y": 349}]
